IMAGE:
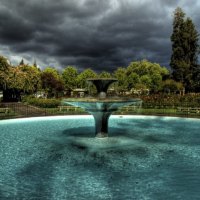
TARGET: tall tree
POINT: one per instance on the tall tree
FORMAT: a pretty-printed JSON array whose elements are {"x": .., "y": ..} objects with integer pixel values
[
  {"x": 185, "y": 49},
  {"x": 21, "y": 62},
  {"x": 35, "y": 64}
]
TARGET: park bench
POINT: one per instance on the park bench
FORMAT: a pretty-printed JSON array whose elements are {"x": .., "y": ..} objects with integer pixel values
[
  {"x": 4, "y": 110},
  {"x": 67, "y": 108},
  {"x": 194, "y": 110},
  {"x": 128, "y": 108},
  {"x": 188, "y": 110}
]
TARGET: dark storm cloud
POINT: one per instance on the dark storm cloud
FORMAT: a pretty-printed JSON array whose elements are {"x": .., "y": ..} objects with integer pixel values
[{"x": 101, "y": 34}]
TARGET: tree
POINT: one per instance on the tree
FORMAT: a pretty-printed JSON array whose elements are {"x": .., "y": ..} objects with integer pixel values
[
  {"x": 32, "y": 78},
  {"x": 132, "y": 80},
  {"x": 4, "y": 70},
  {"x": 121, "y": 75},
  {"x": 196, "y": 78},
  {"x": 21, "y": 79},
  {"x": 105, "y": 74},
  {"x": 52, "y": 71},
  {"x": 35, "y": 64},
  {"x": 69, "y": 76},
  {"x": 171, "y": 86},
  {"x": 21, "y": 62},
  {"x": 83, "y": 76},
  {"x": 52, "y": 82},
  {"x": 185, "y": 50},
  {"x": 149, "y": 74},
  {"x": 146, "y": 80}
]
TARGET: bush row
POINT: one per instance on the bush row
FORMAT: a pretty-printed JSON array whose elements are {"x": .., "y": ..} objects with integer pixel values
[
  {"x": 164, "y": 100},
  {"x": 43, "y": 103}
]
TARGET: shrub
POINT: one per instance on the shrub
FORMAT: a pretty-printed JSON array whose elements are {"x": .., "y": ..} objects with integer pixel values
[
  {"x": 173, "y": 100},
  {"x": 43, "y": 103}
]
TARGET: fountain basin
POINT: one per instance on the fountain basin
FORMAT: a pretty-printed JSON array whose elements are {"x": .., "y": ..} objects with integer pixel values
[{"x": 145, "y": 157}]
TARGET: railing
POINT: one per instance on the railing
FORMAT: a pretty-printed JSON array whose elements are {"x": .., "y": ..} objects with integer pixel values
[{"x": 16, "y": 110}]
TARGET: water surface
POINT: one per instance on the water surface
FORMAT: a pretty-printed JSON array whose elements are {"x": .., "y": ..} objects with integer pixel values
[{"x": 55, "y": 158}]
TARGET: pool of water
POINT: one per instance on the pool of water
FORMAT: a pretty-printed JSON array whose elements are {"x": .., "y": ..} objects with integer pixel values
[{"x": 58, "y": 158}]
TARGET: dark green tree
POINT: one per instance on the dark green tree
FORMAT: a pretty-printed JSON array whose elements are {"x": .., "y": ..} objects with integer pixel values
[
  {"x": 35, "y": 64},
  {"x": 185, "y": 50},
  {"x": 21, "y": 62}
]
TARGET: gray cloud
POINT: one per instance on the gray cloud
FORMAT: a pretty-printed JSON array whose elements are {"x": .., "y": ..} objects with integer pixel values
[{"x": 100, "y": 34}]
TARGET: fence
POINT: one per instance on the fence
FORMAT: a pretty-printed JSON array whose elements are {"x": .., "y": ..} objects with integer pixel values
[{"x": 17, "y": 110}]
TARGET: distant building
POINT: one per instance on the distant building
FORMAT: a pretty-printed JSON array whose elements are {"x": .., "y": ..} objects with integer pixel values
[
  {"x": 40, "y": 94},
  {"x": 78, "y": 92},
  {"x": 139, "y": 91}
]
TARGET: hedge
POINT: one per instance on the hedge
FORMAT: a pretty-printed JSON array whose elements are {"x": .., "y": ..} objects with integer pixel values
[{"x": 43, "y": 103}]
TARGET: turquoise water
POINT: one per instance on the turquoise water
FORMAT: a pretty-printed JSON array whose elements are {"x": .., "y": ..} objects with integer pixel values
[{"x": 58, "y": 158}]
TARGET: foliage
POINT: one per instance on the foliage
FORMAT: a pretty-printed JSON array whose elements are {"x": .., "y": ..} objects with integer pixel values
[
  {"x": 43, "y": 103},
  {"x": 83, "y": 76},
  {"x": 53, "y": 71},
  {"x": 4, "y": 69},
  {"x": 146, "y": 80},
  {"x": 69, "y": 76},
  {"x": 171, "y": 85},
  {"x": 185, "y": 50},
  {"x": 51, "y": 83},
  {"x": 170, "y": 100},
  {"x": 133, "y": 79},
  {"x": 21, "y": 62},
  {"x": 24, "y": 78},
  {"x": 121, "y": 75},
  {"x": 105, "y": 74},
  {"x": 32, "y": 81},
  {"x": 149, "y": 74}
]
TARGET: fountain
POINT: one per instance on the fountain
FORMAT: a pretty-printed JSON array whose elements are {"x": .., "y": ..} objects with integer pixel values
[
  {"x": 101, "y": 107},
  {"x": 56, "y": 157}
]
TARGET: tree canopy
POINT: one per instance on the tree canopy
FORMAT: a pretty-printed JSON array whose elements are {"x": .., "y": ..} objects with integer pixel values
[
  {"x": 28, "y": 79},
  {"x": 83, "y": 76},
  {"x": 69, "y": 76},
  {"x": 146, "y": 73}
]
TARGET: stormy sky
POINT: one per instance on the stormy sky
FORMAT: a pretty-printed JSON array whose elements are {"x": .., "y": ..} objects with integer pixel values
[{"x": 97, "y": 34}]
